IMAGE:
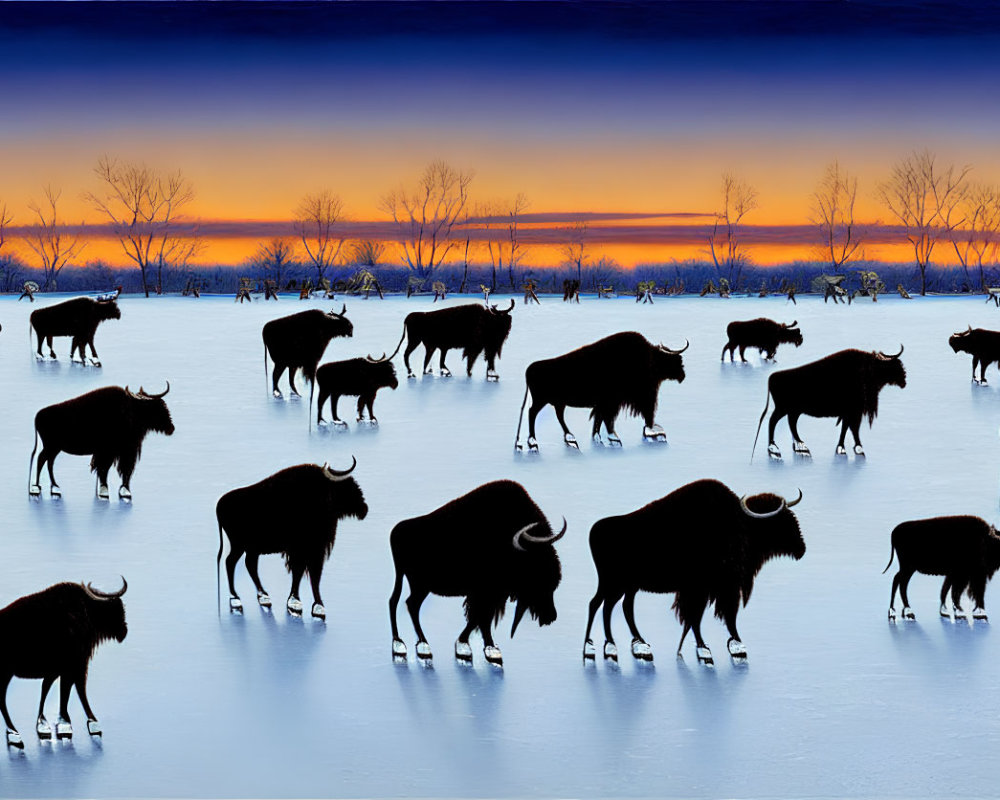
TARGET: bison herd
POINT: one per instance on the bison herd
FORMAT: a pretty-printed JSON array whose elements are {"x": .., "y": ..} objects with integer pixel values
[{"x": 703, "y": 543}]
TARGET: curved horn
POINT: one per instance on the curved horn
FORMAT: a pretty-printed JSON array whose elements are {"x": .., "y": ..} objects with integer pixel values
[
  {"x": 794, "y": 502},
  {"x": 794, "y": 323},
  {"x": 506, "y": 310},
  {"x": 523, "y": 534},
  {"x": 96, "y": 594},
  {"x": 376, "y": 360},
  {"x": 766, "y": 515},
  {"x": 343, "y": 310},
  {"x": 897, "y": 355},
  {"x": 156, "y": 396},
  {"x": 666, "y": 349},
  {"x": 336, "y": 475},
  {"x": 130, "y": 393}
]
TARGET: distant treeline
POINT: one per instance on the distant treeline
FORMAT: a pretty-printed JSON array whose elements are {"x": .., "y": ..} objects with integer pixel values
[{"x": 681, "y": 277}]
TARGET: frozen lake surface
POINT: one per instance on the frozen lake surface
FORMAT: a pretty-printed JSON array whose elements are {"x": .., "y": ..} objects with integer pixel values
[{"x": 834, "y": 701}]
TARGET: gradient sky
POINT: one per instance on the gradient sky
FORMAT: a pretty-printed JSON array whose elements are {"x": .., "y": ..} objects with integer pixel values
[{"x": 584, "y": 107}]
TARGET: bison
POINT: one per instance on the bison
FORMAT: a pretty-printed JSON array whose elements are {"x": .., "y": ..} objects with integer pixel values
[
  {"x": 107, "y": 424},
  {"x": 982, "y": 345},
  {"x": 762, "y": 333},
  {"x": 701, "y": 542},
  {"x": 53, "y": 634},
  {"x": 255, "y": 521},
  {"x": 298, "y": 341},
  {"x": 78, "y": 318},
  {"x": 618, "y": 372},
  {"x": 361, "y": 377},
  {"x": 476, "y": 329},
  {"x": 489, "y": 545},
  {"x": 965, "y": 549},
  {"x": 844, "y": 385}
]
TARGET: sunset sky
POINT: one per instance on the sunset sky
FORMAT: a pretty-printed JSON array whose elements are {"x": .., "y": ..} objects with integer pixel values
[{"x": 604, "y": 108}]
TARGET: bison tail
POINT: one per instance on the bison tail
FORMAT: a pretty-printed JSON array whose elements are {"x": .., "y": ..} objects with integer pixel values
[
  {"x": 767, "y": 402},
  {"x": 400, "y": 343},
  {"x": 218, "y": 566},
  {"x": 892, "y": 554},
  {"x": 520, "y": 418}
]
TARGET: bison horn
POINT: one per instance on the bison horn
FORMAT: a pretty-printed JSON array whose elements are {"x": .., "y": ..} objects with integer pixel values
[
  {"x": 335, "y": 475},
  {"x": 506, "y": 310},
  {"x": 523, "y": 534},
  {"x": 376, "y": 360},
  {"x": 781, "y": 507},
  {"x": 897, "y": 355},
  {"x": 96, "y": 594},
  {"x": 666, "y": 349},
  {"x": 130, "y": 393},
  {"x": 794, "y": 502},
  {"x": 155, "y": 396},
  {"x": 794, "y": 323}
]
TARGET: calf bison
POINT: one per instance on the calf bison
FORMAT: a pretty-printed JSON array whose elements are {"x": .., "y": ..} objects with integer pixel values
[
  {"x": 965, "y": 549},
  {"x": 619, "y": 372},
  {"x": 360, "y": 377},
  {"x": 702, "y": 542},
  {"x": 488, "y": 546},
  {"x": 77, "y": 318},
  {"x": 762, "y": 333},
  {"x": 256, "y": 521},
  {"x": 844, "y": 385},
  {"x": 982, "y": 345},
  {"x": 53, "y": 634}
]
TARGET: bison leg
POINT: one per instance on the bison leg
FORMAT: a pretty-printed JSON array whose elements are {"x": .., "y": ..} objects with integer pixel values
[
  {"x": 93, "y": 726},
  {"x": 48, "y": 457},
  {"x": 957, "y": 588},
  {"x": 398, "y": 648},
  {"x": 126, "y": 466},
  {"x": 610, "y": 600},
  {"x": 975, "y": 363},
  {"x": 690, "y": 611},
  {"x": 293, "y": 603},
  {"x": 324, "y": 394},
  {"x": 101, "y": 464},
  {"x": 855, "y": 426},
  {"x": 13, "y": 737},
  {"x": 235, "y": 553},
  {"x": 798, "y": 446},
  {"x": 484, "y": 621},
  {"x": 463, "y": 652},
  {"x": 736, "y": 648},
  {"x": 445, "y": 372},
  {"x": 743, "y": 357},
  {"x": 983, "y": 364},
  {"x": 536, "y": 406},
  {"x": 902, "y": 579},
  {"x": 977, "y": 591},
  {"x": 52, "y": 353},
  {"x": 413, "y": 603},
  {"x": 315, "y": 569},
  {"x": 41, "y": 338},
  {"x": 945, "y": 588},
  {"x": 731, "y": 347},
  {"x": 470, "y": 358},
  {"x": 42, "y": 726},
  {"x": 772, "y": 423},
  {"x": 640, "y": 649},
  {"x": 428, "y": 354},
  {"x": 568, "y": 436},
  {"x": 75, "y": 345},
  {"x": 275, "y": 375},
  {"x": 262, "y": 597},
  {"x": 588, "y": 643},
  {"x": 291, "y": 381},
  {"x": 370, "y": 402},
  {"x": 411, "y": 345},
  {"x": 491, "y": 367},
  {"x": 64, "y": 726},
  {"x": 334, "y": 402}
]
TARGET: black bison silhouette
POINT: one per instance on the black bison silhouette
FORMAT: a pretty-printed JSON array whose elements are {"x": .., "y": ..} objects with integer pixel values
[
  {"x": 53, "y": 634},
  {"x": 982, "y": 345},
  {"x": 702, "y": 542},
  {"x": 762, "y": 333},
  {"x": 298, "y": 341},
  {"x": 360, "y": 377},
  {"x": 77, "y": 318}
]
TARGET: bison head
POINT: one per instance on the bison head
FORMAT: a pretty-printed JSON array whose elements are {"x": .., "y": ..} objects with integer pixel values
[
  {"x": 107, "y": 612},
  {"x": 107, "y": 309},
  {"x": 338, "y": 324},
  {"x": 790, "y": 334},
  {"x": 498, "y": 323},
  {"x": 668, "y": 364},
  {"x": 345, "y": 493},
  {"x": 772, "y": 515},
  {"x": 892, "y": 371},
  {"x": 961, "y": 341},
  {"x": 384, "y": 371},
  {"x": 152, "y": 410},
  {"x": 537, "y": 574}
]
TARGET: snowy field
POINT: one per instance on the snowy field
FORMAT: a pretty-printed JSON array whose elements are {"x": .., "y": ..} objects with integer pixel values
[{"x": 835, "y": 701}]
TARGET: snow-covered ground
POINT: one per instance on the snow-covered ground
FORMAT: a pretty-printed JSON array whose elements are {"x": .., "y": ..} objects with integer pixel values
[{"x": 834, "y": 702}]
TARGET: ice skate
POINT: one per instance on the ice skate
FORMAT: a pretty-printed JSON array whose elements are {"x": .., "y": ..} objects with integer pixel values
[
  {"x": 641, "y": 650},
  {"x": 610, "y": 651},
  {"x": 493, "y": 655},
  {"x": 398, "y": 651},
  {"x": 463, "y": 651}
]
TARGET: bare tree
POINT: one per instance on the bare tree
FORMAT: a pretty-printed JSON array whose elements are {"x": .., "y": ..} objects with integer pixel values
[
  {"x": 833, "y": 213},
  {"x": 489, "y": 213},
  {"x": 976, "y": 242},
  {"x": 143, "y": 206},
  {"x": 739, "y": 198},
  {"x": 924, "y": 199},
  {"x": 464, "y": 225},
  {"x": 427, "y": 215},
  {"x": 575, "y": 249},
  {"x": 515, "y": 248},
  {"x": 316, "y": 221},
  {"x": 274, "y": 257},
  {"x": 46, "y": 239},
  {"x": 367, "y": 253}
]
